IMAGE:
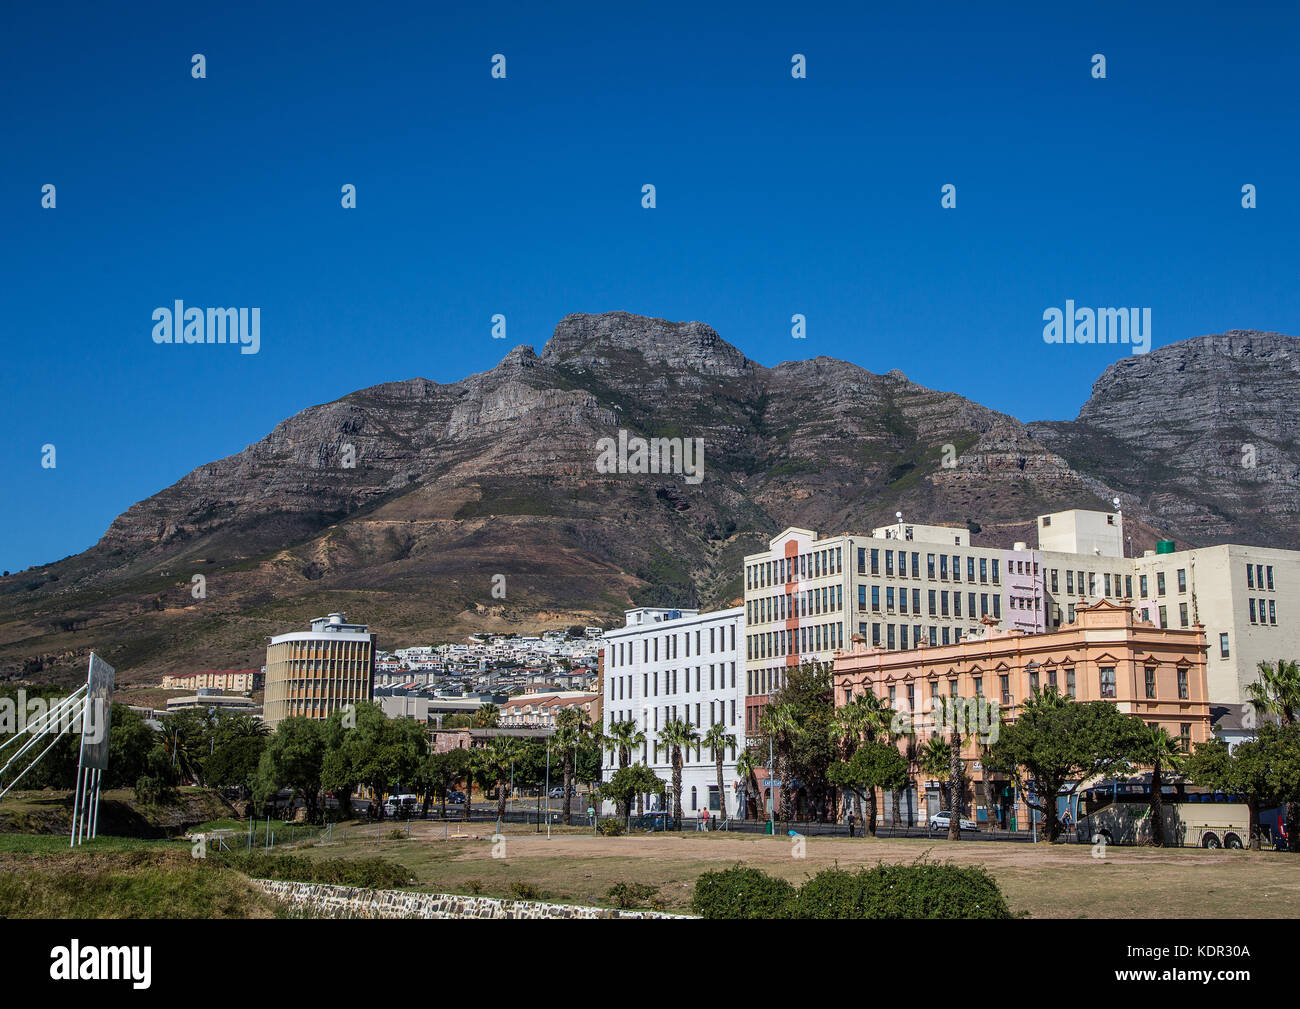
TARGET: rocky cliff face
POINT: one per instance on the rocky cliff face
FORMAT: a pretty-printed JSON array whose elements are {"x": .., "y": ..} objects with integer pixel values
[
  {"x": 450, "y": 485},
  {"x": 1203, "y": 432}
]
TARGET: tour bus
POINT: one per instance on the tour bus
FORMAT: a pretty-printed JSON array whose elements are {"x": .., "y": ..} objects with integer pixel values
[{"x": 1120, "y": 813}]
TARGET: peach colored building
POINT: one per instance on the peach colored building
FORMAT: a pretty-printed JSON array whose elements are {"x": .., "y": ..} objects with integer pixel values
[
  {"x": 1108, "y": 653},
  {"x": 539, "y": 711}
]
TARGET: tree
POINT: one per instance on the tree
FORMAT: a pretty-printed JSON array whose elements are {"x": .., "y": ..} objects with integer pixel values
[
  {"x": 1057, "y": 744},
  {"x": 1276, "y": 694},
  {"x": 1160, "y": 751},
  {"x": 293, "y": 759},
  {"x": 676, "y": 735},
  {"x": 746, "y": 766},
  {"x": 234, "y": 764},
  {"x": 933, "y": 760},
  {"x": 629, "y": 782},
  {"x": 873, "y": 765},
  {"x": 569, "y": 727},
  {"x": 498, "y": 757},
  {"x": 780, "y": 724},
  {"x": 376, "y": 751},
  {"x": 1263, "y": 771},
  {"x": 624, "y": 737},
  {"x": 863, "y": 718},
  {"x": 717, "y": 739},
  {"x": 807, "y": 754}
]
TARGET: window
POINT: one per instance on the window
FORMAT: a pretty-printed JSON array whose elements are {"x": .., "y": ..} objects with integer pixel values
[
  {"x": 694, "y": 798},
  {"x": 1181, "y": 574},
  {"x": 1108, "y": 681},
  {"x": 1107, "y": 585},
  {"x": 1128, "y": 586},
  {"x": 1251, "y": 601},
  {"x": 1069, "y": 682},
  {"x": 1069, "y": 582},
  {"x": 1185, "y": 736},
  {"x": 929, "y": 565},
  {"x": 1164, "y": 616},
  {"x": 1250, "y": 576},
  {"x": 875, "y": 598},
  {"x": 933, "y": 596},
  {"x": 1182, "y": 684},
  {"x": 1272, "y": 612},
  {"x": 984, "y": 565},
  {"x": 1033, "y": 680},
  {"x": 875, "y": 561},
  {"x": 1054, "y": 588},
  {"x": 1160, "y": 583},
  {"x": 862, "y": 560},
  {"x": 943, "y": 567},
  {"x": 1051, "y": 678},
  {"x": 1151, "y": 682},
  {"x": 1004, "y": 682},
  {"x": 1268, "y": 571},
  {"x": 889, "y": 562},
  {"x": 979, "y": 686},
  {"x": 1142, "y": 586},
  {"x": 1182, "y": 614},
  {"x": 1223, "y": 646}
]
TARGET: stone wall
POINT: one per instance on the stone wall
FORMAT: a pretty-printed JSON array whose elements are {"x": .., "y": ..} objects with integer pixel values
[{"x": 321, "y": 900}]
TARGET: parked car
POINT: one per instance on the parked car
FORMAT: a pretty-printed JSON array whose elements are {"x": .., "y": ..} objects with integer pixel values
[
  {"x": 941, "y": 821},
  {"x": 657, "y": 820},
  {"x": 456, "y": 798},
  {"x": 558, "y": 792},
  {"x": 401, "y": 805}
]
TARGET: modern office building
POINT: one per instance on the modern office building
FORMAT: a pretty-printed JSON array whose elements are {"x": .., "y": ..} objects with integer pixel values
[
  {"x": 1110, "y": 653},
  {"x": 904, "y": 585},
  {"x": 313, "y": 673},
  {"x": 670, "y": 664}
]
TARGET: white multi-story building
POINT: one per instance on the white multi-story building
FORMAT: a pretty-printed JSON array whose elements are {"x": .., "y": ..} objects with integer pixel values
[{"x": 666, "y": 664}]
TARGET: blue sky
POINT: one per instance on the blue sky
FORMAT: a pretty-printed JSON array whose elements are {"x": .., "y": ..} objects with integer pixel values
[{"x": 523, "y": 197}]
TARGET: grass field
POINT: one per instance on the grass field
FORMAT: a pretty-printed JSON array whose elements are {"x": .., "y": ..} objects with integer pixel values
[
  {"x": 1042, "y": 881},
  {"x": 119, "y": 877}
]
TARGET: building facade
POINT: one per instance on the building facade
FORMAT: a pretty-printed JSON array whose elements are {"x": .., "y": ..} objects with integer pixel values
[
  {"x": 670, "y": 664},
  {"x": 540, "y": 711},
  {"x": 1109, "y": 653},
  {"x": 910, "y": 584},
  {"x": 218, "y": 679},
  {"x": 313, "y": 673}
]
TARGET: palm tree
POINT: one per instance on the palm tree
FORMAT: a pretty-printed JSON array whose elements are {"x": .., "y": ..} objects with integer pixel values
[
  {"x": 861, "y": 720},
  {"x": 1277, "y": 694},
  {"x": 675, "y": 735},
  {"x": 497, "y": 759},
  {"x": 717, "y": 739},
  {"x": 933, "y": 760},
  {"x": 956, "y": 771},
  {"x": 623, "y": 737},
  {"x": 782, "y": 727},
  {"x": 487, "y": 717},
  {"x": 570, "y": 724},
  {"x": 1163, "y": 751},
  {"x": 746, "y": 767}
]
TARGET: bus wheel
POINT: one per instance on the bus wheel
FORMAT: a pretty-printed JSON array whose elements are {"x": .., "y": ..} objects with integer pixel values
[
  {"x": 1210, "y": 841},
  {"x": 1232, "y": 841}
]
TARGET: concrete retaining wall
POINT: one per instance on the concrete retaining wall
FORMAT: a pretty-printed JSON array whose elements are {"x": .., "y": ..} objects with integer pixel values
[{"x": 322, "y": 900}]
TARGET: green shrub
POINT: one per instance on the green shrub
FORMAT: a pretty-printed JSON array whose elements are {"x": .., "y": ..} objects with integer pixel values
[
  {"x": 920, "y": 890},
  {"x": 474, "y": 885},
  {"x": 740, "y": 892},
  {"x": 154, "y": 791},
  {"x": 613, "y": 827},
  {"x": 625, "y": 894},
  {"x": 521, "y": 890},
  {"x": 375, "y": 873}
]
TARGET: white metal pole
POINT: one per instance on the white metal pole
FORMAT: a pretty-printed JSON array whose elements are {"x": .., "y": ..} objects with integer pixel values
[{"x": 76, "y": 802}]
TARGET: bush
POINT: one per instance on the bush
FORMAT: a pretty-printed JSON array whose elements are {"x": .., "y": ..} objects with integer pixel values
[
  {"x": 739, "y": 892},
  {"x": 627, "y": 895},
  {"x": 521, "y": 890},
  {"x": 375, "y": 873},
  {"x": 921, "y": 890},
  {"x": 153, "y": 791},
  {"x": 613, "y": 827},
  {"x": 474, "y": 885}
]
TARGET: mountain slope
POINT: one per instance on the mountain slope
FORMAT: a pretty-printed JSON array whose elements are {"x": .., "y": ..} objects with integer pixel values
[{"x": 496, "y": 475}]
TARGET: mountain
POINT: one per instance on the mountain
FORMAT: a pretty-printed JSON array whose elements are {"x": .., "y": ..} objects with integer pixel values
[{"x": 496, "y": 474}]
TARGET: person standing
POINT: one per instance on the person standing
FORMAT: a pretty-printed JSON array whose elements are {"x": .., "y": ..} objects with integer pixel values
[{"x": 852, "y": 820}]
